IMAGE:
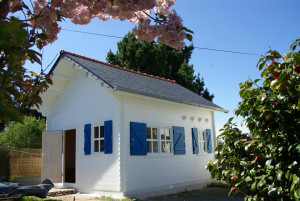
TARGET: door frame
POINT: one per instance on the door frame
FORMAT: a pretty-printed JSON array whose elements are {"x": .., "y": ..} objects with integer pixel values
[{"x": 64, "y": 156}]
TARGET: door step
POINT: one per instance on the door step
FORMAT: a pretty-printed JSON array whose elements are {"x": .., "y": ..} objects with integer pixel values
[{"x": 61, "y": 191}]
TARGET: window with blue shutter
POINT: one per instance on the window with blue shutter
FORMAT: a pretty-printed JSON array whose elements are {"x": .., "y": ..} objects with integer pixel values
[
  {"x": 108, "y": 137},
  {"x": 208, "y": 141},
  {"x": 178, "y": 140},
  {"x": 138, "y": 138},
  {"x": 87, "y": 139},
  {"x": 195, "y": 141}
]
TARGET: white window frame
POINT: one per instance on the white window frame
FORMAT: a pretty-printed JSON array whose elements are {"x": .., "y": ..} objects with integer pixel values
[
  {"x": 165, "y": 140},
  {"x": 159, "y": 140},
  {"x": 202, "y": 141},
  {"x": 152, "y": 140},
  {"x": 99, "y": 139}
]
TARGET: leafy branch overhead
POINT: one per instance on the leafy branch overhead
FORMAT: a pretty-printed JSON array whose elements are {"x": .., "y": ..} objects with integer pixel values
[
  {"x": 264, "y": 164},
  {"x": 27, "y": 26}
]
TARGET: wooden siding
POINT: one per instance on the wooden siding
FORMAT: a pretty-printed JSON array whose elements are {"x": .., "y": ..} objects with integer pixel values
[
  {"x": 142, "y": 174},
  {"x": 83, "y": 100}
]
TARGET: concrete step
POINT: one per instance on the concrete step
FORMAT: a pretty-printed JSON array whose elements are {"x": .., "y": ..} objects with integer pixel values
[{"x": 61, "y": 191}]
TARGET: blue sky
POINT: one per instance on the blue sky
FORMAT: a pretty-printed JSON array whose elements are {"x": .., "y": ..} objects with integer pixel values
[{"x": 251, "y": 26}]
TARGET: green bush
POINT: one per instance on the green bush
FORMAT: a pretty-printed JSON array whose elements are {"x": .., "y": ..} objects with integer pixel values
[
  {"x": 24, "y": 135},
  {"x": 264, "y": 165}
]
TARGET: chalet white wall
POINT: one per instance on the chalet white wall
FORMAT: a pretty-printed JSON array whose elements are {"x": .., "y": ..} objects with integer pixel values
[
  {"x": 159, "y": 172},
  {"x": 84, "y": 101}
]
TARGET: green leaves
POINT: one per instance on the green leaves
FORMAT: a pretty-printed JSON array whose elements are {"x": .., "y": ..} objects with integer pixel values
[
  {"x": 24, "y": 135},
  {"x": 279, "y": 175},
  {"x": 188, "y": 36},
  {"x": 265, "y": 162},
  {"x": 18, "y": 89},
  {"x": 268, "y": 165},
  {"x": 243, "y": 163}
]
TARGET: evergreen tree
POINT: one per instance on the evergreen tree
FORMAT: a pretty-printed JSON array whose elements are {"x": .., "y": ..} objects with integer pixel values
[{"x": 159, "y": 60}]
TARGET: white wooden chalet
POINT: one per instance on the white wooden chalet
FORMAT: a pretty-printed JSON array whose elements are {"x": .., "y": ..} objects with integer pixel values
[{"x": 118, "y": 132}]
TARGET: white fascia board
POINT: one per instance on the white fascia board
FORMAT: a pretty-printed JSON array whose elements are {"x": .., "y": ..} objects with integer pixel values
[
  {"x": 103, "y": 83},
  {"x": 173, "y": 100}
]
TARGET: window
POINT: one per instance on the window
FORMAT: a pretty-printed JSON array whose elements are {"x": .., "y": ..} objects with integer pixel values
[
  {"x": 98, "y": 139},
  {"x": 202, "y": 139},
  {"x": 158, "y": 140},
  {"x": 165, "y": 140},
  {"x": 152, "y": 140}
]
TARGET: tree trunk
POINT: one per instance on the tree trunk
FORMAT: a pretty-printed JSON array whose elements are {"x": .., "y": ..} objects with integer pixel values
[{"x": 4, "y": 8}]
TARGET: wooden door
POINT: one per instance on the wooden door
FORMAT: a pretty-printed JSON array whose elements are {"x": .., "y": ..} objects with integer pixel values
[{"x": 52, "y": 156}]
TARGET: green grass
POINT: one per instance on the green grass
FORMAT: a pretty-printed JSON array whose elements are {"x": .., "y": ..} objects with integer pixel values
[
  {"x": 105, "y": 198},
  {"x": 33, "y": 198},
  {"x": 220, "y": 184}
]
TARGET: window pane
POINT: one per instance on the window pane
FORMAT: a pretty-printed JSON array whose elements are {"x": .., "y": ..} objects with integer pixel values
[
  {"x": 168, "y": 147},
  {"x": 101, "y": 145},
  {"x": 162, "y": 132},
  {"x": 155, "y": 147},
  {"x": 168, "y": 134},
  {"x": 101, "y": 131},
  {"x": 149, "y": 147},
  {"x": 163, "y": 146},
  {"x": 154, "y": 133},
  {"x": 148, "y": 133},
  {"x": 96, "y": 132},
  {"x": 96, "y": 146}
]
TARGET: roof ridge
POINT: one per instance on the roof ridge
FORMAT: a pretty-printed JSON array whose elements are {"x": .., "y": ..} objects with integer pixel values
[{"x": 118, "y": 67}]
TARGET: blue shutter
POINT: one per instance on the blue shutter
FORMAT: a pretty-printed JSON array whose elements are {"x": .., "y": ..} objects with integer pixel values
[
  {"x": 195, "y": 141},
  {"x": 138, "y": 138},
  {"x": 108, "y": 137},
  {"x": 208, "y": 141},
  {"x": 87, "y": 139},
  {"x": 178, "y": 140}
]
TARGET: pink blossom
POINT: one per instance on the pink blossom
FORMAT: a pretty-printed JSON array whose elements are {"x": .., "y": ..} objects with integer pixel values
[
  {"x": 14, "y": 3},
  {"x": 166, "y": 30}
]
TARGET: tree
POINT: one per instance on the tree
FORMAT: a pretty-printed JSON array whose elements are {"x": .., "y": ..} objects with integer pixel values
[
  {"x": 39, "y": 26},
  {"x": 264, "y": 165},
  {"x": 24, "y": 135},
  {"x": 24, "y": 112},
  {"x": 159, "y": 60}
]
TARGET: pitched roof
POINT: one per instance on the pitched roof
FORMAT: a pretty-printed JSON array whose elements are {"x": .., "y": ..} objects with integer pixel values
[{"x": 123, "y": 79}]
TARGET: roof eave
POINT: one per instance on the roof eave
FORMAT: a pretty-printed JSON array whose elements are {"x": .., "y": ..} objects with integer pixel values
[{"x": 170, "y": 99}]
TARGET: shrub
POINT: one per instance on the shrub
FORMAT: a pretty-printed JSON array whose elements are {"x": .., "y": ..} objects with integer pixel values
[
  {"x": 263, "y": 165},
  {"x": 24, "y": 135}
]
